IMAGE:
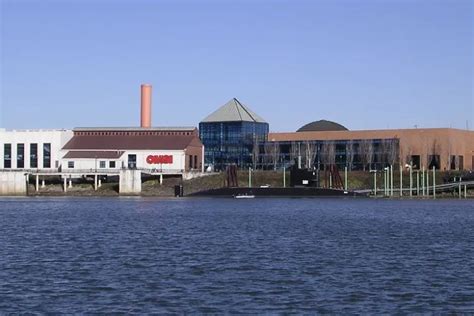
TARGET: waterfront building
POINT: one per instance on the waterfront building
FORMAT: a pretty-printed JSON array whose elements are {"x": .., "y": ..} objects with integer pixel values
[
  {"x": 322, "y": 143},
  {"x": 32, "y": 149},
  {"x": 230, "y": 135},
  {"x": 172, "y": 150}
]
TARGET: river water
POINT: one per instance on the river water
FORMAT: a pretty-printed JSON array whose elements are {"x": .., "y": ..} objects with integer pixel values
[{"x": 146, "y": 255}]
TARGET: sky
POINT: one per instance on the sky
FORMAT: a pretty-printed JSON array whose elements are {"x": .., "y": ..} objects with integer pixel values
[{"x": 366, "y": 64}]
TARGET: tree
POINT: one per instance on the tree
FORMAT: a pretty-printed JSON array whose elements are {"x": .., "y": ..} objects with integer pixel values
[
  {"x": 310, "y": 153},
  {"x": 272, "y": 153},
  {"x": 434, "y": 155},
  {"x": 328, "y": 153},
  {"x": 293, "y": 151},
  {"x": 350, "y": 154},
  {"x": 366, "y": 148},
  {"x": 255, "y": 154}
]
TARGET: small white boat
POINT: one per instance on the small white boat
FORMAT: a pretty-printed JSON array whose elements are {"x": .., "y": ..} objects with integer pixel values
[{"x": 244, "y": 196}]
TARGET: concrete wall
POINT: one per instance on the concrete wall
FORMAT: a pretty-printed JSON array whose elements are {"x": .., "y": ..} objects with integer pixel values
[
  {"x": 12, "y": 183},
  {"x": 130, "y": 182}
]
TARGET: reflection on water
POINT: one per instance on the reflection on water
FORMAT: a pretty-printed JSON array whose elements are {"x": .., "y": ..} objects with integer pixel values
[{"x": 138, "y": 255}]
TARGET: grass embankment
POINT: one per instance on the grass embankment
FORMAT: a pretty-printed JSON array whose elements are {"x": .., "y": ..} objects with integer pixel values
[{"x": 357, "y": 180}]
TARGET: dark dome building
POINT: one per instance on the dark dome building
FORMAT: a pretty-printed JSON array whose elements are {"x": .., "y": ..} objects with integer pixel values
[{"x": 322, "y": 126}]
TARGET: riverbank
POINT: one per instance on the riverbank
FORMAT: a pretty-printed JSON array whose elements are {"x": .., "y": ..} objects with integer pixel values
[{"x": 151, "y": 186}]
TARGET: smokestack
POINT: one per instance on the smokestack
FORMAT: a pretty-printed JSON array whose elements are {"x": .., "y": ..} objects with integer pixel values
[{"x": 145, "y": 105}]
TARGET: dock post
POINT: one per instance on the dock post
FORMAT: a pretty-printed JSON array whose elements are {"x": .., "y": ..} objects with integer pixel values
[
  {"x": 428, "y": 181},
  {"x": 100, "y": 183},
  {"x": 250, "y": 177},
  {"x": 95, "y": 182},
  {"x": 284, "y": 177},
  {"x": 65, "y": 184},
  {"x": 423, "y": 180},
  {"x": 391, "y": 180},
  {"x": 70, "y": 181},
  {"x": 401, "y": 180},
  {"x": 411, "y": 180},
  {"x": 345, "y": 178},
  {"x": 418, "y": 183},
  {"x": 161, "y": 178},
  {"x": 37, "y": 183},
  {"x": 42, "y": 183},
  {"x": 375, "y": 183},
  {"x": 330, "y": 180},
  {"x": 465, "y": 191},
  {"x": 434, "y": 182},
  {"x": 460, "y": 188}
]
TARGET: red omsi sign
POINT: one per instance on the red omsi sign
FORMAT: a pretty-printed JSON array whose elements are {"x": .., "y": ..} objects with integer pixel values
[{"x": 159, "y": 159}]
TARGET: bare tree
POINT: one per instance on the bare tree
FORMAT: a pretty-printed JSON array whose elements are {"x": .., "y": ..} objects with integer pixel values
[
  {"x": 272, "y": 153},
  {"x": 350, "y": 153},
  {"x": 328, "y": 153},
  {"x": 392, "y": 152},
  {"x": 255, "y": 154},
  {"x": 293, "y": 151},
  {"x": 366, "y": 148},
  {"x": 310, "y": 153},
  {"x": 434, "y": 155}
]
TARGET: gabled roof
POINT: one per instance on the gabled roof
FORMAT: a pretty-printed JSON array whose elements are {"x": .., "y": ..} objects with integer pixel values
[
  {"x": 233, "y": 111},
  {"x": 130, "y": 142},
  {"x": 93, "y": 154}
]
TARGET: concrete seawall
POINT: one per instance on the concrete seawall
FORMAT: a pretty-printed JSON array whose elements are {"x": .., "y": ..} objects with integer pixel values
[{"x": 13, "y": 183}]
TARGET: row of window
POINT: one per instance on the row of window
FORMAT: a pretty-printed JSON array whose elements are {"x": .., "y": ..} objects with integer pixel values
[
  {"x": 132, "y": 133},
  {"x": 20, "y": 156},
  {"x": 102, "y": 164}
]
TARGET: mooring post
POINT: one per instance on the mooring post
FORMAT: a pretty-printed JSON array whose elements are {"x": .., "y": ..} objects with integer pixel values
[
  {"x": 250, "y": 177},
  {"x": 411, "y": 180},
  {"x": 95, "y": 182},
  {"x": 460, "y": 188},
  {"x": 65, "y": 184},
  {"x": 70, "y": 181},
  {"x": 375, "y": 183},
  {"x": 428, "y": 181},
  {"x": 418, "y": 183},
  {"x": 100, "y": 183},
  {"x": 345, "y": 178},
  {"x": 391, "y": 180},
  {"x": 401, "y": 180},
  {"x": 284, "y": 177},
  {"x": 37, "y": 183},
  {"x": 465, "y": 191},
  {"x": 161, "y": 178},
  {"x": 42, "y": 183},
  {"x": 423, "y": 180},
  {"x": 434, "y": 182}
]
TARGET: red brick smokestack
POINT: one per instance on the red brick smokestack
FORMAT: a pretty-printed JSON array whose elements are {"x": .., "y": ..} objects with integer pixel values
[{"x": 145, "y": 105}]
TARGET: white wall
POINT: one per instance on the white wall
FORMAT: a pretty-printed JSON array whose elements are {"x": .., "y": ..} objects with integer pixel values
[
  {"x": 57, "y": 139},
  {"x": 179, "y": 161}
]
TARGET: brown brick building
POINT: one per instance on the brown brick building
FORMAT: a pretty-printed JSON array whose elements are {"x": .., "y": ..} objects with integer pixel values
[{"x": 444, "y": 148}]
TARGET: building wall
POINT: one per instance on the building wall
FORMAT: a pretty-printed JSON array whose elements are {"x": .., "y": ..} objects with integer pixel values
[
  {"x": 445, "y": 142},
  {"x": 57, "y": 139},
  {"x": 178, "y": 164},
  {"x": 231, "y": 142}
]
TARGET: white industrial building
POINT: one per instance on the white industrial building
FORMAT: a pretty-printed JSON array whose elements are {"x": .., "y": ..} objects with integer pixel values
[{"x": 32, "y": 149}]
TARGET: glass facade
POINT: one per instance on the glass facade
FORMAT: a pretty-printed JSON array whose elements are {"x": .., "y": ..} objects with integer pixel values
[
  {"x": 228, "y": 143},
  {"x": 354, "y": 154}
]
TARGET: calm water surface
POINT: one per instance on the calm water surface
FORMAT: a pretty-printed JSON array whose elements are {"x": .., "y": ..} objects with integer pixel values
[{"x": 139, "y": 255}]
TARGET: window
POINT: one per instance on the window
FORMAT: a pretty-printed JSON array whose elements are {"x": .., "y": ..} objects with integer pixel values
[
  {"x": 461, "y": 162},
  {"x": 433, "y": 161},
  {"x": 20, "y": 156},
  {"x": 102, "y": 164},
  {"x": 33, "y": 155},
  {"x": 7, "y": 155},
  {"x": 47, "y": 155},
  {"x": 111, "y": 164},
  {"x": 195, "y": 161},
  {"x": 190, "y": 161},
  {"x": 70, "y": 164}
]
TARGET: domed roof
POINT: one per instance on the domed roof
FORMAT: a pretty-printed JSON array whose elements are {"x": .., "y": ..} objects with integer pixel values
[{"x": 322, "y": 126}]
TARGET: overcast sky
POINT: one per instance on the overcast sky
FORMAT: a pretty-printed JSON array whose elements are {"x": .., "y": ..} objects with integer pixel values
[{"x": 365, "y": 64}]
